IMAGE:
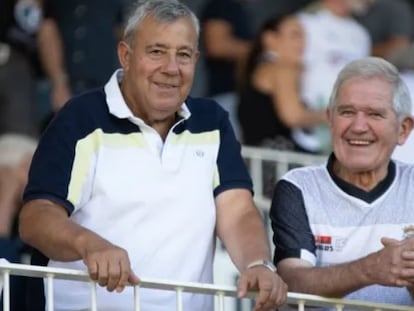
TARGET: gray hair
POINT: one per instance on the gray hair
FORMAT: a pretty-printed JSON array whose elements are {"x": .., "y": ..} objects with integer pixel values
[
  {"x": 164, "y": 11},
  {"x": 14, "y": 148},
  {"x": 375, "y": 67}
]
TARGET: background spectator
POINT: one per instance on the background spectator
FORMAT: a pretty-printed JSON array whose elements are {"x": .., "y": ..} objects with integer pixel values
[
  {"x": 270, "y": 104},
  {"x": 77, "y": 44},
  {"x": 19, "y": 23},
  {"x": 226, "y": 41},
  {"x": 333, "y": 38},
  {"x": 389, "y": 23}
]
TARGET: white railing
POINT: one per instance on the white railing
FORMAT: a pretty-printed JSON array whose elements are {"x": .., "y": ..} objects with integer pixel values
[
  {"x": 220, "y": 292},
  {"x": 279, "y": 161},
  {"x": 225, "y": 272}
]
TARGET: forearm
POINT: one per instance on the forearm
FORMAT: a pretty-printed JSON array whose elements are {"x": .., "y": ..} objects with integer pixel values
[
  {"x": 332, "y": 281},
  {"x": 51, "y": 52},
  {"x": 306, "y": 118},
  {"x": 231, "y": 49},
  {"x": 220, "y": 42},
  {"x": 244, "y": 235},
  {"x": 46, "y": 226}
]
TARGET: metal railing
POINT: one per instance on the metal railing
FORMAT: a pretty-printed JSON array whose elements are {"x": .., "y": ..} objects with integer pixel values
[
  {"x": 256, "y": 158},
  {"x": 220, "y": 292},
  {"x": 279, "y": 161}
]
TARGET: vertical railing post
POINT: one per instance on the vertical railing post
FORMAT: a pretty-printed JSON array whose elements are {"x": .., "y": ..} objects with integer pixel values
[
  {"x": 301, "y": 305},
  {"x": 137, "y": 300},
  {"x": 220, "y": 297},
  {"x": 179, "y": 294},
  {"x": 50, "y": 289},
  {"x": 6, "y": 290},
  {"x": 94, "y": 305}
]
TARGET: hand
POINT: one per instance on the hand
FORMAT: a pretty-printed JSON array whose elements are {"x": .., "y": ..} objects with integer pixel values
[
  {"x": 272, "y": 289},
  {"x": 394, "y": 264},
  {"x": 109, "y": 265},
  {"x": 406, "y": 248}
]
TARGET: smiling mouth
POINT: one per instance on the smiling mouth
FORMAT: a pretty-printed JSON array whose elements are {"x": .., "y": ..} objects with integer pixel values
[
  {"x": 358, "y": 142},
  {"x": 165, "y": 86}
]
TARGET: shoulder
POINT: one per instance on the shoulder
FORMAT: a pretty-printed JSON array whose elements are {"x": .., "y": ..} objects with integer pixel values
[
  {"x": 83, "y": 113},
  {"x": 203, "y": 107},
  {"x": 206, "y": 114},
  {"x": 306, "y": 175},
  {"x": 405, "y": 170},
  {"x": 89, "y": 102}
]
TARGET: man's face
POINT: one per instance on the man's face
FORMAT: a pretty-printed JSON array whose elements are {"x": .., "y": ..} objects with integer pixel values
[
  {"x": 159, "y": 67},
  {"x": 364, "y": 127}
]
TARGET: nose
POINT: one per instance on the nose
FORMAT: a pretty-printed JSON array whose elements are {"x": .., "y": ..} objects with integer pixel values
[
  {"x": 360, "y": 122},
  {"x": 171, "y": 64}
]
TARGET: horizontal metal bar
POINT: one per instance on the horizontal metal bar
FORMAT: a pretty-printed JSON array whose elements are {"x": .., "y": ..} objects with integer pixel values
[{"x": 212, "y": 289}]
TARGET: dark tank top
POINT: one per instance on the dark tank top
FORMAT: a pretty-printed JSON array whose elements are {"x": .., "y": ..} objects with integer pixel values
[{"x": 258, "y": 119}]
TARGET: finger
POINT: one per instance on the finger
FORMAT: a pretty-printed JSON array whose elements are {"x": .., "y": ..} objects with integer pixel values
[
  {"x": 388, "y": 241},
  {"x": 103, "y": 273},
  {"x": 133, "y": 278},
  {"x": 407, "y": 273},
  {"x": 277, "y": 295},
  {"x": 114, "y": 276},
  {"x": 93, "y": 270},
  {"x": 264, "y": 295},
  {"x": 281, "y": 293},
  {"x": 408, "y": 255},
  {"x": 125, "y": 271},
  {"x": 242, "y": 286}
]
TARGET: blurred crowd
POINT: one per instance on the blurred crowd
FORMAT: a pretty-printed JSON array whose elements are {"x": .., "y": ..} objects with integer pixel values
[
  {"x": 260, "y": 69},
  {"x": 270, "y": 63}
]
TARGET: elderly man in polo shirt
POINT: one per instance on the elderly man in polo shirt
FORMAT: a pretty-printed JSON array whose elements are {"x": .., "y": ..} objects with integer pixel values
[{"x": 137, "y": 178}]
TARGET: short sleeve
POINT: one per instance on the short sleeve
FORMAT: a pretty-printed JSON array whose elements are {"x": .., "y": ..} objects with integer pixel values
[{"x": 292, "y": 235}]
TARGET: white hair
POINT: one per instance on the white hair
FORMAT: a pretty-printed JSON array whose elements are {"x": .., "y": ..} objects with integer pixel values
[{"x": 14, "y": 148}]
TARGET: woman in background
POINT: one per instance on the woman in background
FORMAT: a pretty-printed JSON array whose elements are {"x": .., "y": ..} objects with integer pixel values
[{"x": 270, "y": 105}]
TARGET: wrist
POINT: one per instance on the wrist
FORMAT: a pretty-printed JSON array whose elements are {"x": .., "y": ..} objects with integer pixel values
[
  {"x": 262, "y": 263},
  {"x": 60, "y": 79}
]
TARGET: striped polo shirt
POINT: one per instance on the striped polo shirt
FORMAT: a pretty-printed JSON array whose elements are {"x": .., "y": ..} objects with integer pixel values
[{"x": 116, "y": 176}]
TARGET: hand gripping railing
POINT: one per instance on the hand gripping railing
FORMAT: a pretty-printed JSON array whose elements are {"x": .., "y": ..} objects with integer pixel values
[{"x": 301, "y": 300}]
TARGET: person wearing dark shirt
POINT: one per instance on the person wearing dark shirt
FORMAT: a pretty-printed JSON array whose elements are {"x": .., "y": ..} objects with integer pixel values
[
  {"x": 227, "y": 31},
  {"x": 77, "y": 45},
  {"x": 270, "y": 105},
  {"x": 19, "y": 23}
]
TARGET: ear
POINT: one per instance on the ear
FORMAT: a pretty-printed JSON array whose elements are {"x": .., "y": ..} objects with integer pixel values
[
  {"x": 124, "y": 54},
  {"x": 405, "y": 129}
]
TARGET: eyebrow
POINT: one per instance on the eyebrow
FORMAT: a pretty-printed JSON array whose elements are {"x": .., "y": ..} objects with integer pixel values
[
  {"x": 369, "y": 108},
  {"x": 163, "y": 46}
]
